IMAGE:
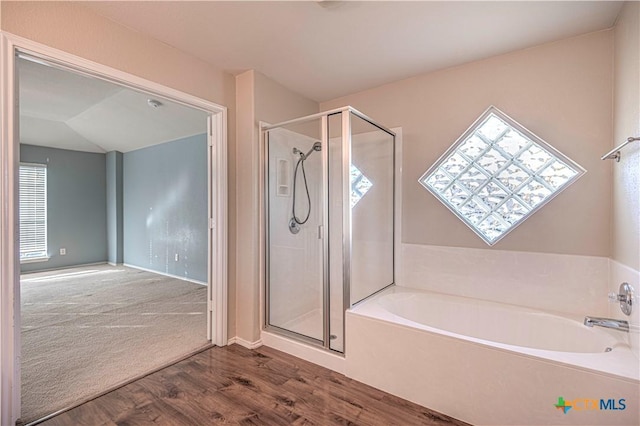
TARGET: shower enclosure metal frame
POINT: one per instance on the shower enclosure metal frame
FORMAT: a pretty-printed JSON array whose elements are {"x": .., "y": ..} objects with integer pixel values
[{"x": 346, "y": 147}]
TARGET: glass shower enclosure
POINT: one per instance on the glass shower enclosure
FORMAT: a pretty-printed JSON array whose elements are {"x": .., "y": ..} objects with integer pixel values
[{"x": 329, "y": 221}]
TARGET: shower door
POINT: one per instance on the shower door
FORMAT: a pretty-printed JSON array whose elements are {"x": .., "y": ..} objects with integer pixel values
[
  {"x": 329, "y": 206},
  {"x": 295, "y": 232}
]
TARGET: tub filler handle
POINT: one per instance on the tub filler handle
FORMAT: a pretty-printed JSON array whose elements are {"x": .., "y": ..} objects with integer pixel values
[
  {"x": 624, "y": 296},
  {"x": 607, "y": 323}
]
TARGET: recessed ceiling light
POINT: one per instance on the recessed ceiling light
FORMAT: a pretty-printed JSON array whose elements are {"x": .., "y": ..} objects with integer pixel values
[{"x": 153, "y": 103}]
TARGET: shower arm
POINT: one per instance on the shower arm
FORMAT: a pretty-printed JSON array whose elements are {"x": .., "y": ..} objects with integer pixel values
[{"x": 309, "y": 152}]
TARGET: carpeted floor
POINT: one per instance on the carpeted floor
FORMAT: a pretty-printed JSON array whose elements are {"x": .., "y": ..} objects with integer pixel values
[{"x": 87, "y": 329}]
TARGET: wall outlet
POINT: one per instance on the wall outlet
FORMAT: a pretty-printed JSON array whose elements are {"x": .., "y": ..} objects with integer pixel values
[
  {"x": 177, "y": 257},
  {"x": 63, "y": 252}
]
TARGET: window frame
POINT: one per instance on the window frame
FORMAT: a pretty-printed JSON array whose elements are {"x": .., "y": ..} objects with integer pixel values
[
  {"x": 492, "y": 110},
  {"x": 44, "y": 256}
]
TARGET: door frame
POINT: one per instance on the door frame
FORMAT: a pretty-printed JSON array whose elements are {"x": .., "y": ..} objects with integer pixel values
[{"x": 10, "y": 343}]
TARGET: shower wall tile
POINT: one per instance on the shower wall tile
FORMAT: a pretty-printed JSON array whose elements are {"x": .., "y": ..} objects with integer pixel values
[
  {"x": 295, "y": 260},
  {"x": 555, "y": 282}
]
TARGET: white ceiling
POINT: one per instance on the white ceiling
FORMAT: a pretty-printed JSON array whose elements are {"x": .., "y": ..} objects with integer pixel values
[
  {"x": 321, "y": 50},
  {"x": 62, "y": 109},
  {"x": 326, "y": 49}
]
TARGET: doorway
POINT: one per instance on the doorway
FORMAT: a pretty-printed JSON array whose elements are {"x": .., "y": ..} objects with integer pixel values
[{"x": 15, "y": 50}]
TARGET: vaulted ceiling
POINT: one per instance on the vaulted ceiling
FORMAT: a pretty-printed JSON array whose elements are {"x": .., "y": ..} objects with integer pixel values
[{"x": 62, "y": 109}]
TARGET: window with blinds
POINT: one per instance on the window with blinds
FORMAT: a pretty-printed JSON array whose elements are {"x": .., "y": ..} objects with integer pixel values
[{"x": 33, "y": 212}]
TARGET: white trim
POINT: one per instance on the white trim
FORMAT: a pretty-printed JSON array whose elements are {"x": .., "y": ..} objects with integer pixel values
[
  {"x": 245, "y": 343},
  {"x": 210, "y": 226},
  {"x": 165, "y": 274},
  {"x": 60, "y": 268},
  {"x": 93, "y": 69},
  {"x": 9, "y": 274},
  {"x": 315, "y": 354},
  {"x": 9, "y": 246},
  {"x": 35, "y": 260},
  {"x": 220, "y": 211}
]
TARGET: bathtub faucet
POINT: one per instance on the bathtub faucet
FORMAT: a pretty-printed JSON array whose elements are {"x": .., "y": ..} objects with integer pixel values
[{"x": 607, "y": 323}]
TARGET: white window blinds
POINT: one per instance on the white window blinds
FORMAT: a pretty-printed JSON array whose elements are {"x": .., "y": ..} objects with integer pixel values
[{"x": 33, "y": 211}]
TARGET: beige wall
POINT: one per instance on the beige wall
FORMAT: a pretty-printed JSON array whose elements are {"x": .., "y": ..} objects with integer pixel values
[
  {"x": 258, "y": 99},
  {"x": 626, "y": 123},
  {"x": 70, "y": 27},
  {"x": 244, "y": 311},
  {"x": 275, "y": 103},
  {"x": 560, "y": 91}
]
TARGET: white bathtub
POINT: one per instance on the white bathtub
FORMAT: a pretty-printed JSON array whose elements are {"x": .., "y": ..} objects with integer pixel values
[
  {"x": 496, "y": 323},
  {"x": 491, "y": 363}
]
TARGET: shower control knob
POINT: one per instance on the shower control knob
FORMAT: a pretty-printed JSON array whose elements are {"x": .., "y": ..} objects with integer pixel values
[
  {"x": 294, "y": 227},
  {"x": 614, "y": 297},
  {"x": 624, "y": 297}
]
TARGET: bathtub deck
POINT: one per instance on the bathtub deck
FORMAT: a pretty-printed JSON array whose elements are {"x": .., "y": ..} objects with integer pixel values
[{"x": 234, "y": 385}]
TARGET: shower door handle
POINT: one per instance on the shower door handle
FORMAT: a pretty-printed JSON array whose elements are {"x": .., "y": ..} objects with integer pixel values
[{"x": 320, "y": 232}]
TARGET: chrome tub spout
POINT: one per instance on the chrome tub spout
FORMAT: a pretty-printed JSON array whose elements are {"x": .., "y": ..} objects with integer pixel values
[{"x": 607, "y": 323}]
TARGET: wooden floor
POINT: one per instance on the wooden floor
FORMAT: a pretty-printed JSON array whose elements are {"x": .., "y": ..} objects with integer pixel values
[{"x": 234, "y": 385}]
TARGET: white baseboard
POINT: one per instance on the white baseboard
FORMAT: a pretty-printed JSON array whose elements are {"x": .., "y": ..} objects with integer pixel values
[
  {"x": 178, "y": 277},
  {"x": 247, "y": 344},
  {"x": 59, "y": 268},
  {"x": 308, "y": 353}
]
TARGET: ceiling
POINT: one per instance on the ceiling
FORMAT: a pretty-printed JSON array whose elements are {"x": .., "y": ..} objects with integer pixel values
[
  {"x": 322, "y": 50},
  {"x": 62, "y": 109},
  {"x": 327, "y": 49}
]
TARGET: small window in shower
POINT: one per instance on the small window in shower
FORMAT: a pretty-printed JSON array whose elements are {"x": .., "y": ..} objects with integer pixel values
[{"x": 497, "y": 174}]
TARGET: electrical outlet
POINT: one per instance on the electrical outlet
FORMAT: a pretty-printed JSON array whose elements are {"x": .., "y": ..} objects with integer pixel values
[
  {"x": 63, "y": 251},
  {"x": 177, "y": 257}
]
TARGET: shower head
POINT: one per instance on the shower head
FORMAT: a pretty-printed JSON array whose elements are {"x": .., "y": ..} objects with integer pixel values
[{"x": 317, "y": 146}]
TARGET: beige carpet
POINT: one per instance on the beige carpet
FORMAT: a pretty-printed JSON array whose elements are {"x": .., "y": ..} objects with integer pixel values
[{"x": 87, "y": 329}]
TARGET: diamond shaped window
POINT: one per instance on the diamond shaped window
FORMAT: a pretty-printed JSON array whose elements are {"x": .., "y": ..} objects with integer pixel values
[
  {"x": 359, "y": 185},
  {"x": 497, "y": 174}
]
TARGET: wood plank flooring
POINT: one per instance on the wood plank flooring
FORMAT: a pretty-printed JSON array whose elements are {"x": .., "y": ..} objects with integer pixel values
[{"x": 235, "y": 385}]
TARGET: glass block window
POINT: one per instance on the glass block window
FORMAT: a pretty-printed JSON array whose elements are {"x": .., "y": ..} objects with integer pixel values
[
  {"x": 497, "y": 174},
  {"x": 359, "y": 185}
]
